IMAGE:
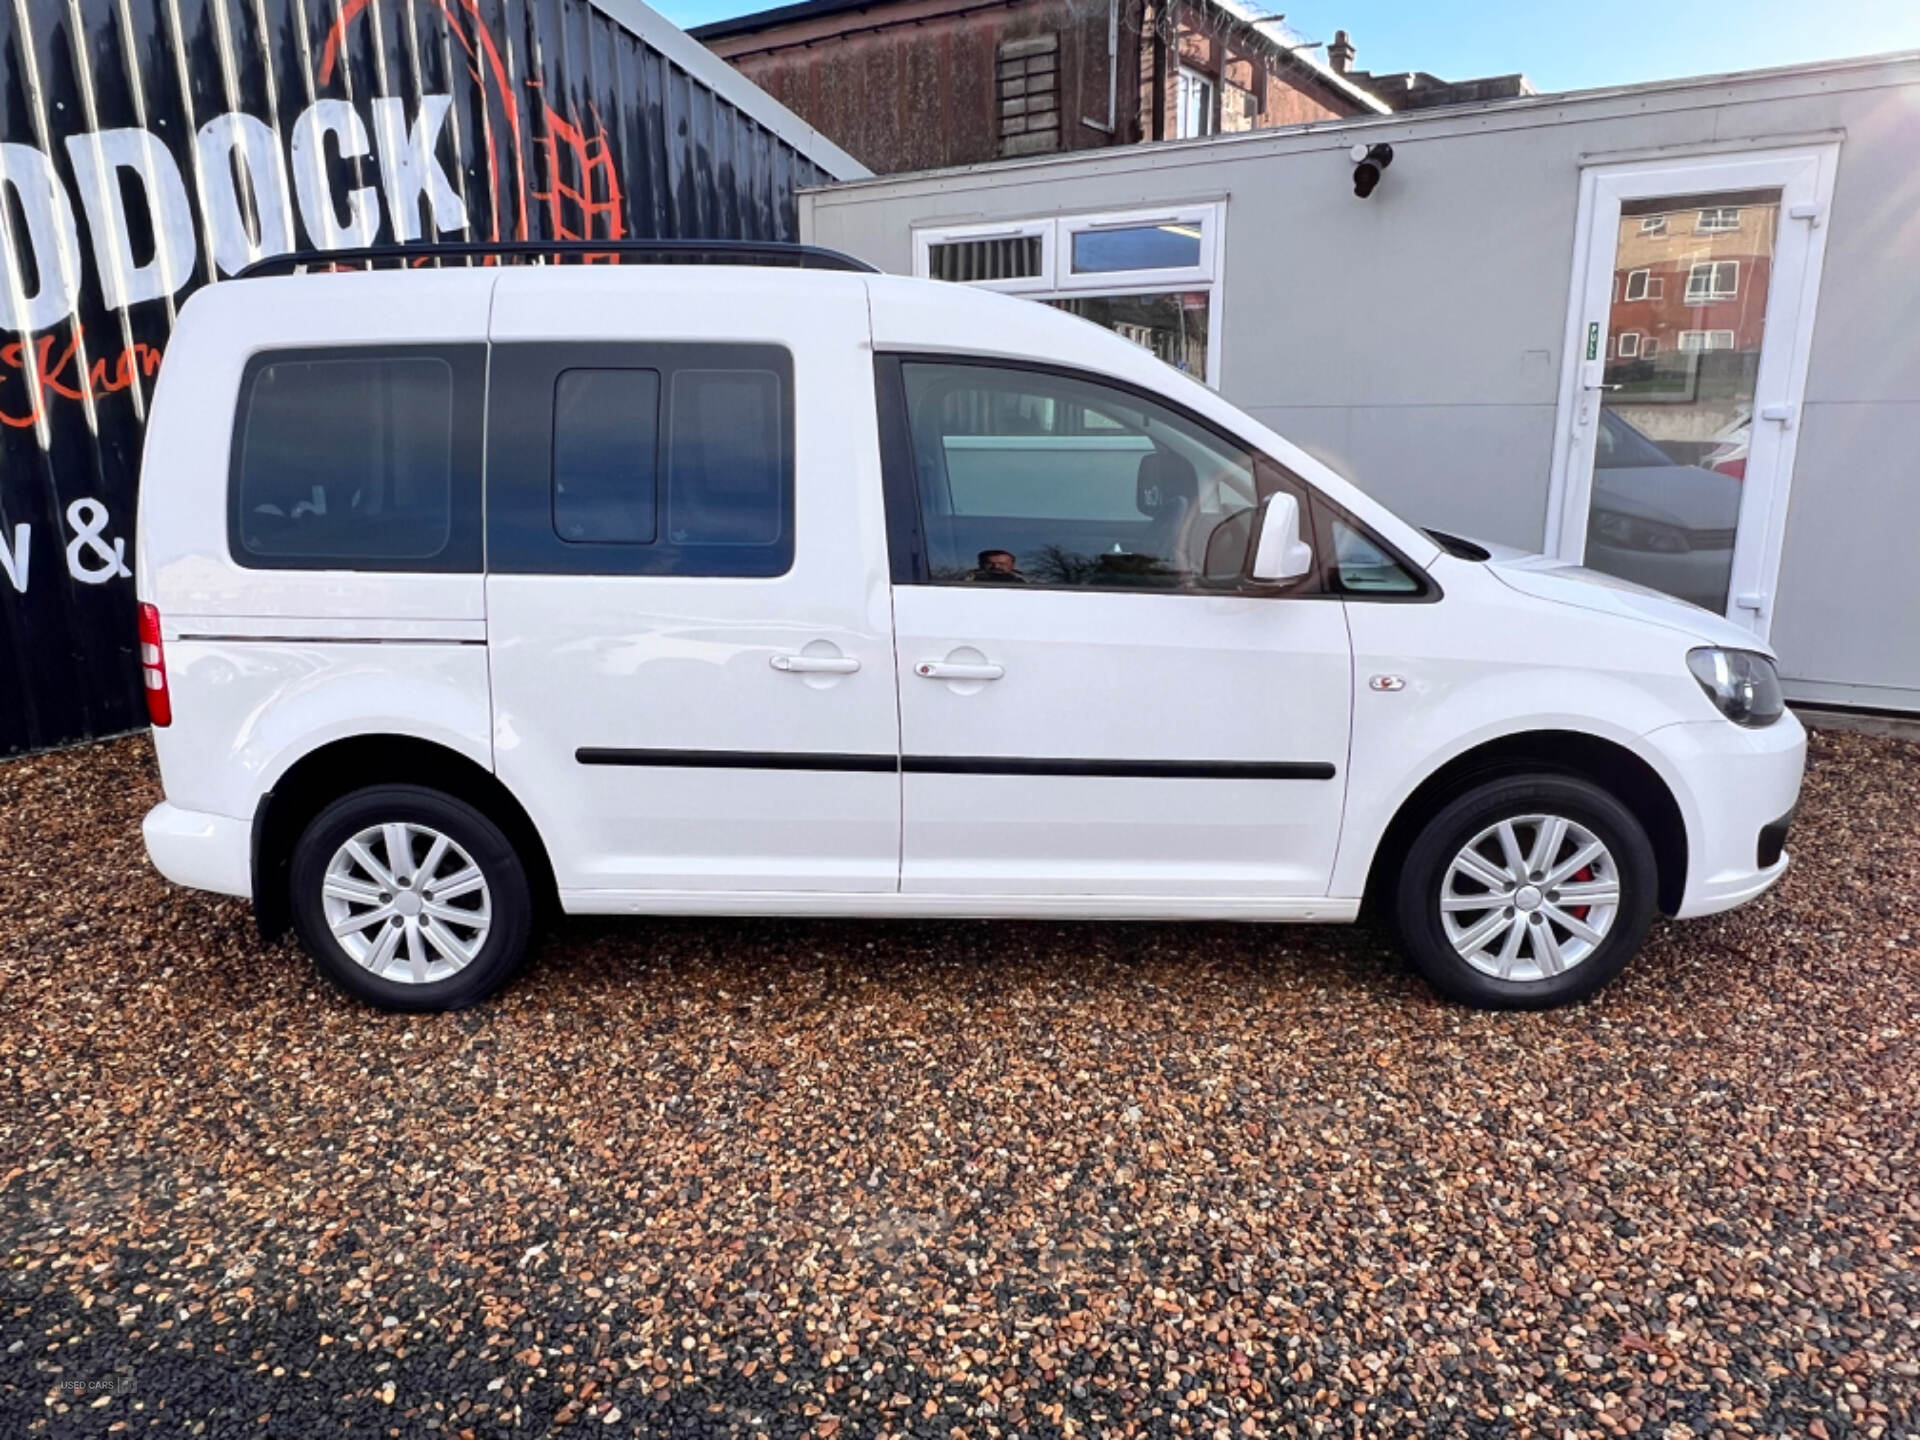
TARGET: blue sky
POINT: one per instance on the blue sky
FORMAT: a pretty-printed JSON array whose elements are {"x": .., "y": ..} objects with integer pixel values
[{"x": 1563, "y": 44}]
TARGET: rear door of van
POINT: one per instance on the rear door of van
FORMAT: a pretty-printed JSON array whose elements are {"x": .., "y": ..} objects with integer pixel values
[{"x": 687, "y": 598}]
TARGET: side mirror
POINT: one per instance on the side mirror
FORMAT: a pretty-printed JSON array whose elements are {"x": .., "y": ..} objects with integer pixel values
[{"x": 1279, "y": 554}]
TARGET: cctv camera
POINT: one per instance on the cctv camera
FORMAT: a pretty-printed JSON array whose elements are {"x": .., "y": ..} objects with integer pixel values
[{"x": 1368, "y": 162}]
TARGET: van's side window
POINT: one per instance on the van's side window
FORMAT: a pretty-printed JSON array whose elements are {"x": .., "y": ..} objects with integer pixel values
[
  {"x": 725, "y": 458},
  {"x": 358, "y": 460},
  {"x": 606, "y": 456},
  {"x": 1027, "y": 477},
  {"x": 618, "y": 459}
]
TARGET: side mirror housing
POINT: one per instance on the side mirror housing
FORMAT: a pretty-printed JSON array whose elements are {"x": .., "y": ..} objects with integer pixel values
[{"x": 1279, "y": 554}]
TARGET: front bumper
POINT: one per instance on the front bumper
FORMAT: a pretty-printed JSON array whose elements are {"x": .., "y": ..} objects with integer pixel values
[
  {"x": 1732, "y": 784},
  {"x": 207, "y": 852}
]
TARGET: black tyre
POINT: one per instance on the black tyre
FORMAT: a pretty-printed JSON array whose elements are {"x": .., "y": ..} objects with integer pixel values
[
  {"x": 410, "y": 899},
  {"x": 1526, "y": 892}
]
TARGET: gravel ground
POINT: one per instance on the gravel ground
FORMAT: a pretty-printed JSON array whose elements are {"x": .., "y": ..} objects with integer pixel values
[{"x": 955, "y": 1179}]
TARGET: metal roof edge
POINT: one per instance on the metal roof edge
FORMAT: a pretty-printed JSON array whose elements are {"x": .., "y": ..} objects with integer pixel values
[
  {"x": 1433, "y": 118},
  {"x": 649, "y": 25}
]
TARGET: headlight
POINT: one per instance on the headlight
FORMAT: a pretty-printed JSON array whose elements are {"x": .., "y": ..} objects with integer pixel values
[
  {"x": 1628, "y": 533},
  {"x": 1743, "y": 685}
]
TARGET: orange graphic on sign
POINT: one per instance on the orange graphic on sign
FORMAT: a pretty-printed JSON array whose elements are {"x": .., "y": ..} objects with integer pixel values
[{"x": 62, "y": 375}]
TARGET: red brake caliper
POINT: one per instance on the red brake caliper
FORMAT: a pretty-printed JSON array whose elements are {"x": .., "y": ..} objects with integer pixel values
[{"x": 1579, "y": 912}]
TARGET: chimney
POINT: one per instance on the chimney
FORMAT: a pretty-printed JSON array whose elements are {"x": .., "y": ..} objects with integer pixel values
[{"x": 1340, "y": 53}]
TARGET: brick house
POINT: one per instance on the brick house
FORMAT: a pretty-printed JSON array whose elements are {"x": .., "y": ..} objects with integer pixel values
[
  {"x": 925, "y": 84},
  {"x": 1692, "y": 278}
]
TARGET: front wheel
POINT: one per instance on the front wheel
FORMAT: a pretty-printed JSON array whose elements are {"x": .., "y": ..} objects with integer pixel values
[
  {"x": 411, "y": 899},
  {"x": 1526, "y": 892}
]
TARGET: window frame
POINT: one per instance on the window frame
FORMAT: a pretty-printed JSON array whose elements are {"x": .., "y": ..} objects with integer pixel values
[
  {"x": 1714, "y": 293},
  {"x": 1620, "y": 344},
  {"x": 521, "y": 536},
  {"x": 1645, "y": 277},
  {"x": 909, "y": 562},
  {"x": 1702, "y": 227},
  {"x": 1057, "y": 281},
  {"x": 464, "y": 552},
  {"x": 1706, "y": 344},
  {"x": 1653, "y": 225},
  {"x": 925, "y": 240},
  {"x": 1189, "y": 81}
]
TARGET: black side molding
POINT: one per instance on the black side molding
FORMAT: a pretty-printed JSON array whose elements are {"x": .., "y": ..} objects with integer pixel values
[
  {"x": 1119, "y": 769},
  {"x": 736, "y": 759},
  {"x": 963, "y": 764}
]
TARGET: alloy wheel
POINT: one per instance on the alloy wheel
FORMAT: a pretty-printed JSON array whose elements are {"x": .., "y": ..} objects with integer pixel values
[
  {"x": 406, "y": 903},
  {"x": 1530, "y": 897}
]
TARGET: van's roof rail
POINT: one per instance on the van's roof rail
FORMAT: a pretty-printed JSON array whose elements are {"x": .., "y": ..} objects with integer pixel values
[{"x": 682, "y": 252}]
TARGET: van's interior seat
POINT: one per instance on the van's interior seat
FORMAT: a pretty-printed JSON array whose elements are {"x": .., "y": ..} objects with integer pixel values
[{"x": 1166, "y": 490}]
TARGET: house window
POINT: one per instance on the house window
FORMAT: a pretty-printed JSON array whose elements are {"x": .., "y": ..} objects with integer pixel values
[
  {"x": 1192, "y": 105},
  {"x": 1717, "y": 220},
  {"x": 987, "y": 257},
  {"x": 1649, "y": 347},
  {"x": 1151, "y": 276},
  {"x": 1167, "y": 245},
  {"x": 1636, "y": 285},
  {"x": 1692, "y": 342},
  {"x": 1654, "y": 225},
  {"x": 1027, "y": 86},
  {"x": 1712, "y": 280},
  {"x": 1629, "y": 346}
]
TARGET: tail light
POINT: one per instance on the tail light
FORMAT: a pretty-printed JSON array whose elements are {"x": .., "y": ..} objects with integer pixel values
[{"x": 153, "y": 667}]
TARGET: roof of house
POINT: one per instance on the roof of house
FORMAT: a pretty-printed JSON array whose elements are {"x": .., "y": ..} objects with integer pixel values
[
  {"x": 1297, "y": 49},
  {"x": 780, "y": 15}
]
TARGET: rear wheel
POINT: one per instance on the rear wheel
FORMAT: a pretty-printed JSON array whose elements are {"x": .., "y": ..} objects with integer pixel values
[
  {"x": 411, "y": 899},
  {"x": 1526, "y": 892}
]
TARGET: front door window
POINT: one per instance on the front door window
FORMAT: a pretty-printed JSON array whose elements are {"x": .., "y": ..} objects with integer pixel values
[{"x": 1047, "y": 480}]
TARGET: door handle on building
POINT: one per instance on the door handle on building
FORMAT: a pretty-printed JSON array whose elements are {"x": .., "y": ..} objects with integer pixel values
[
  {"x": 954, "y": 670},
  {"x": 815, "y": 664}
]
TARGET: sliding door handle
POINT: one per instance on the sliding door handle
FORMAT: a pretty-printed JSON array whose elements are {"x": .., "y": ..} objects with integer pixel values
[
  {"x": 815, "y": 664},
  {"x": 955, "y": 670}
]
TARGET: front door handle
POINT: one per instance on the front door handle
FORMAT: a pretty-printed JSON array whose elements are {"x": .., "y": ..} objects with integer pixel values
[
  {"x": 956, "y": 670},
  {"x": 815, "y": 664}
]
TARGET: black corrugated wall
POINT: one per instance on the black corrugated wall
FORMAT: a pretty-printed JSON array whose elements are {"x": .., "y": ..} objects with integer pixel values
[{"x": 150, "y": 146}]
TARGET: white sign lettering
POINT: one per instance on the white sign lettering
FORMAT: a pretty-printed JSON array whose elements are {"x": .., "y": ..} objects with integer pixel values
[
  {"x": 48, "y": 227},
  {"x": 408, "y": 169},
  {"x": 14, "y": 561},
  {"x": 93, "y": 556},
  {"x": 338, "y": 119},
  {"x": 242, "y": 183},
  {"x": 99, "y": 158},
  {"x": 236, "y": 150}
]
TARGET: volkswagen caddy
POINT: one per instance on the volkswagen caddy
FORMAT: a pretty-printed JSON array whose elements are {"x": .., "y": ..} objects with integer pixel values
[{"x": 472, "y": 594}]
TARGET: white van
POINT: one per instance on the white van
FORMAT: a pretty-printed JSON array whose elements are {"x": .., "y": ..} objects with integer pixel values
[{"x": 755, "y": 588}]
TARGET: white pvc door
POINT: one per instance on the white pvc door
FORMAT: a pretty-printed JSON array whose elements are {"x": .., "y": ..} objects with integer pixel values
[{"x": 1690, "y": 321}]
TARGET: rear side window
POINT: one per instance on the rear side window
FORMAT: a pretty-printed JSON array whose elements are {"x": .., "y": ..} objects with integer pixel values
[
  {"x": 606, "y": 456},
  {"x": 640, "y": 460},
  {"x": 358, "y": 460},
  {"x": 726, "y": 459}
]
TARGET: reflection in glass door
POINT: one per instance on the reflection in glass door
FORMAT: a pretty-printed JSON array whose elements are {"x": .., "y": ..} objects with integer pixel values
[
  {"x": 1682, "y": 354},
  {"x": 1691, "y": 321}
]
